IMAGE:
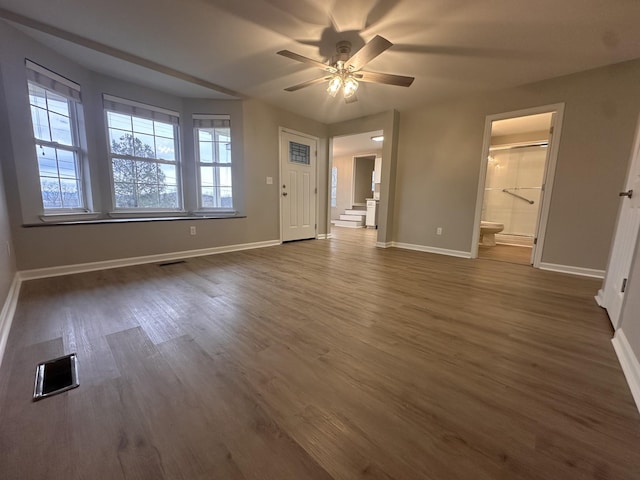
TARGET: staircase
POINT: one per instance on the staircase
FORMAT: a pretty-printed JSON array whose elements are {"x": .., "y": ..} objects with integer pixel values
[{"x": 351, "y": 219}]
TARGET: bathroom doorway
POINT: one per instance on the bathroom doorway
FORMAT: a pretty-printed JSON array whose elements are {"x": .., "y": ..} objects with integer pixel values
[{"x": 514, "y": 191}]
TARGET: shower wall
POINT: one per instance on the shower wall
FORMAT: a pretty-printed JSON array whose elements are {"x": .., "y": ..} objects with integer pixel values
[{"x": 519, "y": 171}]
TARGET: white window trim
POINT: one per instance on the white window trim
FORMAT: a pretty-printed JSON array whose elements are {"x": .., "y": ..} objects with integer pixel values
[
  {"x": 142, "y": 212},
  {"x": 76, "y": 148},
  {"x": 212, "y": 210}
]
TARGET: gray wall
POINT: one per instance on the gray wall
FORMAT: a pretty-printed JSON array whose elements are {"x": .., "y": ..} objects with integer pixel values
[
  {"x": 345, "y": 184},
  {"x": 363, "y": 170},
  {"x": 7, "y": 257},
  {"x": 256, "y": 149},
  {"x": 439, "y": 163}
]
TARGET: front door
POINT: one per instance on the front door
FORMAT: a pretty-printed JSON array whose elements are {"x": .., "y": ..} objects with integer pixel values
[
  {"x": 615, "y": 282},
  {"x": 297, "y": 186}
]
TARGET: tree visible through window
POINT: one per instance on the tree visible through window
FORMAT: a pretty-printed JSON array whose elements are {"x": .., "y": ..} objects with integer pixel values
[{"x": 143, "y": 162}]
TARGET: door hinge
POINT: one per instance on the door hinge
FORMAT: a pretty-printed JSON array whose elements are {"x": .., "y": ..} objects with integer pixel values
[
  {"x": 535, "y": 241},
  {"x": 624, "y": 285},
  {"x": 551, "y": 131},
  {"x": 316, "y": 190}
]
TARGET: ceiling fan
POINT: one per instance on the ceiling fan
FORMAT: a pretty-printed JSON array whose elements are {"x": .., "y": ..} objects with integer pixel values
[{"x": 345, "y": 70}]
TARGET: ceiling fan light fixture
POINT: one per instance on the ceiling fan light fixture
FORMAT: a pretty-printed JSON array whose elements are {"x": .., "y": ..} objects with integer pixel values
[
  {"x": 350, "y": 87},
  {"x": 334, "y": 85}
]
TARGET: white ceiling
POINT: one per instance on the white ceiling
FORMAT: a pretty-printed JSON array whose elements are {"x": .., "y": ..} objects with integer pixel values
[
  {"x": 518, "y": 125},
  {"x": 360, "y": 143},
  {"x": 452, "y": 47}
]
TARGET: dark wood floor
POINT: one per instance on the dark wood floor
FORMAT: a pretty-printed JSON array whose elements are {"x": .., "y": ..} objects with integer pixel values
[
  {"x": 325, "y": 359},
  {"x": 506, "y": 253}
]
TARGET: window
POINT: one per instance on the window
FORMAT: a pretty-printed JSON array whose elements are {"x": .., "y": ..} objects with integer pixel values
[
  {"x": 55, "y": 102},
  {"x": 334, "y": 186},
  {"x": 143, "y": 151},
  {"x": 213, "y": 138},
  {"x": 299, "y": 153}
]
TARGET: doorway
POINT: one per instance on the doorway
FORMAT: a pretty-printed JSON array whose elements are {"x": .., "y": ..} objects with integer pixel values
[
  {"x": 298, "y": 189},
  {"x": 356, "y": 176},
  {"x": 518, "y": 164}
]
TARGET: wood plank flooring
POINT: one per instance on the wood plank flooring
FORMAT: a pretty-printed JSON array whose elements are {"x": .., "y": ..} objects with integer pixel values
[
  {"x": 506, "y": 253},
  {"x": 323, "y": 359}
]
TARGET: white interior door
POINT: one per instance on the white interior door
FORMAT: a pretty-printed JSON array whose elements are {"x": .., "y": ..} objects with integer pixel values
[
  {"x": 544, "y": 197},
  {"x": 297, "y": 186},
  {"x": 612, "y": 295}
]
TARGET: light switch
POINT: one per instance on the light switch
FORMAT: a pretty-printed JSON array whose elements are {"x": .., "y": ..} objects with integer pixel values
[{"x": 269, "y": 180}]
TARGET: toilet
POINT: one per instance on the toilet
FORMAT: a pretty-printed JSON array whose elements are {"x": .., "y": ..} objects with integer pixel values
[{"x": 488, "y": 232}]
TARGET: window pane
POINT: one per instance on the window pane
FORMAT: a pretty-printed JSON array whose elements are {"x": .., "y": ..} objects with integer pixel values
[
  {"x": 168, "y": 197},
  {"x": 37, "y": 96},
  {"x": 50, "y": 189},
  {"x": 67, "y": 164},
  {"x": 118, "y": 120},
  {"x": 165, "y": 148},
  {"x": 125, "y": 195},
  {"x": 224, "y": 152},
  {"x": 226, "y": 199},
  {"x": 224, "y": 176},
  {"x": 169, "y": 173},
  {"x": 47, "y": 161},
  {"x": 57, "y": 103},
  {"x": 147, "y": 195},
  {"x": 120, "y": 142},
  {"x": 207, "y": 198},
  {"x": 223, "y": 135},
  {"x": 206, "y": 176},
  {"x": 142, "y": 125},
  {"x": 143, "y": 146},
  {"x": 146, "y": 172},
  {"x": 70, "y": 193},
  {"x": 122, "y": 170},
  {"x": 40, "y": 122},
  {"x": 299, "y": 153},
  {"x": 205, "y": 135},
  {"x": 163, "y": 129},
  {"x": 60, "y": 129},
  {"x": 206, "y": 152}
]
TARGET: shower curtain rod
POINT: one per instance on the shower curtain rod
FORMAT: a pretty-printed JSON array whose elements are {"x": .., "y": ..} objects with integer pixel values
[{"x": 512, "y": 146}]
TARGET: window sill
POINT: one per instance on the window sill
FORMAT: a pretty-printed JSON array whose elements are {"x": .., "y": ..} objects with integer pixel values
[{"x": 95, "y": 218}]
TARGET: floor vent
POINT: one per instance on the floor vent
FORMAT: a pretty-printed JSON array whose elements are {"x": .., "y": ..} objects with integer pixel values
[
  {"x": 166, "y": 264},
  {"x": 56, "y": 376}
]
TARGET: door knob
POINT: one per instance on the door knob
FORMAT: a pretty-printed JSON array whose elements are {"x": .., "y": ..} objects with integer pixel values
[
  {"x": 284, "y": 194},
  {"x": 628, "y": 193}
]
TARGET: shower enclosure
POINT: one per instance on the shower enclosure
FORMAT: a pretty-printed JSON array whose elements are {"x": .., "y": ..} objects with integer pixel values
[{"x": 513, "y": 190}]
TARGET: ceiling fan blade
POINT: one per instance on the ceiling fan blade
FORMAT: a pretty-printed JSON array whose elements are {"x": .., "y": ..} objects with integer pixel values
[
  {"x": 308, "y": 83},
  {"x": 352, "y": 99},
  {"x": 386, "y": 78},
  {"x": 303, "y": 59},
  {"x": 371, "y": 50}
]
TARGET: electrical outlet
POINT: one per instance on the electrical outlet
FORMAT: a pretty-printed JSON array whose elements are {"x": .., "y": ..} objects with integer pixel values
[
  {"x": 269, "y": 180},
  {"x": 439, "y": 231},
  {"x": 192, "y": 230}
]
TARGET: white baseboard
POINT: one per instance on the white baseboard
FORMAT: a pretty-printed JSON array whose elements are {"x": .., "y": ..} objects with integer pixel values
[
  {"x": 384, "y": 244},
  {"x": 629, "y": 363},
  {"x": 8, "y": 310},
  {"x": 127, "y": 262},
  {"x": 439, "y": 251},
  {"x": 324, "y": 236},
  {"x": 584, "y": 272},
  {"x": 600, "y": 298},
  {"x": 514, "y": 240}
]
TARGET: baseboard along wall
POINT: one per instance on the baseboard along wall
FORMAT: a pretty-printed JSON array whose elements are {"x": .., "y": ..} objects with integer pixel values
[{"x": 629, "y": 363}]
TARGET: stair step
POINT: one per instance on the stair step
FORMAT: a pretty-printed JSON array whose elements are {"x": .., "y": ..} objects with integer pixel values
[
  {"x": 348, "y": 224},
  {"x": 355, "y": 212},
  {"x": 353, "y": 218}
]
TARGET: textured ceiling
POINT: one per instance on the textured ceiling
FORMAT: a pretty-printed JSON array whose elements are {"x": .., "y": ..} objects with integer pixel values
[{"x": 452, "y": 47}]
